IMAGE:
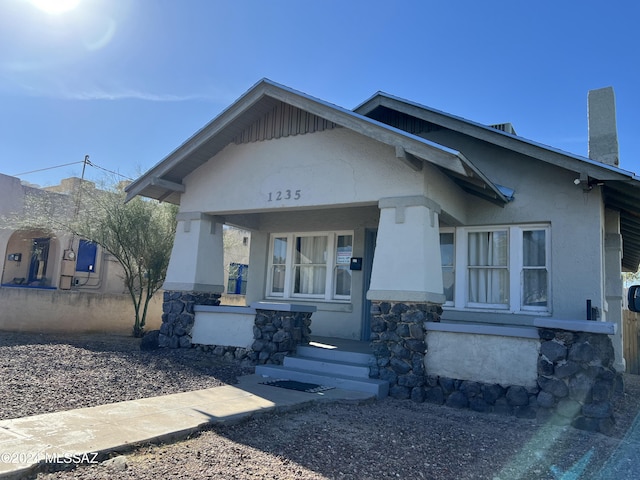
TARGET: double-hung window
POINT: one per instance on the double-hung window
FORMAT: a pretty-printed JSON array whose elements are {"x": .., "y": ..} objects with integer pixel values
[
  {"x": 498, "y": 267},
  {"x": 488, "y": 268},
  {"x": 310, "y": 265}
]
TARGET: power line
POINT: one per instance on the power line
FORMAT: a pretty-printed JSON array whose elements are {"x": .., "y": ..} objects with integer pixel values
[
  {"x": 86, "y": 162},
  {"x": 108, "y": 171},
  {"x": 48, "y": 168}
]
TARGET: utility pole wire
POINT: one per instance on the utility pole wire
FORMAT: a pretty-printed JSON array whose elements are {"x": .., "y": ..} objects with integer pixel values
[
  {"x": 85, "y": 162},
  {"x": 48, "y": 168},
  {"x": 108, "y": 171}
]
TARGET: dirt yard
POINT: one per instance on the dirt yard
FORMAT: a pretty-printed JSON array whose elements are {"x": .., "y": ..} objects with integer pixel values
[{"x": 378, "y": 440}]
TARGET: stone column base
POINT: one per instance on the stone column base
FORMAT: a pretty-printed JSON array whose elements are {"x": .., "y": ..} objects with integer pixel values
[
  {"x": 277, "y": 333},
  {"x": 398, "y": 343},
  {"x": 178, "y": 316}
]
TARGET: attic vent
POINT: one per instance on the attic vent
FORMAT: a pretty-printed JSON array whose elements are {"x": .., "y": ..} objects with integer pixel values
[{"x": 505, "y": 127}]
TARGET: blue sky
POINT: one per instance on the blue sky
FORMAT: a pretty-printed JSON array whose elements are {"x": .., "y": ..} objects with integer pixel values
[{"x": 127, "y": 81}]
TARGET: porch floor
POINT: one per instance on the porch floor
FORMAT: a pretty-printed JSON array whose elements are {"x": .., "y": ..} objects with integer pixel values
[{"x": 340, "y": 344}]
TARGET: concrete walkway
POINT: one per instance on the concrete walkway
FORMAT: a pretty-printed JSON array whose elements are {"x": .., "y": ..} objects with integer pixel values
[{"x": 86, "y": 434}]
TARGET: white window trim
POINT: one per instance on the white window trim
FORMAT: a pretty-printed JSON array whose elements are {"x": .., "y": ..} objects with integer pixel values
[
  {"x": 331, "y": 265},
  {"x": 514, "y": 265}
]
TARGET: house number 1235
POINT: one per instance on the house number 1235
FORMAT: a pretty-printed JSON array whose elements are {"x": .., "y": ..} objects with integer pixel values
[{"x": 285, "y": 195}]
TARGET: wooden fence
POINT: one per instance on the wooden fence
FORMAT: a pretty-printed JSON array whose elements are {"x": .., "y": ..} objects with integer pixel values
[{"x": 630, "y": 335}]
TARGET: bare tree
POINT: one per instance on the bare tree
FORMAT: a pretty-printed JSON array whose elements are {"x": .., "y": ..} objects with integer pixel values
[
  {"x": 138, "y": 234},
  {"x": 631, "y": 278}
]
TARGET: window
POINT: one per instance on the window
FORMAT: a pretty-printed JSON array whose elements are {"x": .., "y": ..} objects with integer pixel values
[
  {"x": 487, "y": 261},
  {"x": 86, "y": 261},
  {"x": 310, "y": 265},
  {"x": 500, "y": 268},
  {"x": 447, "y": 255},
  {"x": 535, "y": 278},
  {"x": 279, "y": 249},
  {"x": 344, "y": 251}
]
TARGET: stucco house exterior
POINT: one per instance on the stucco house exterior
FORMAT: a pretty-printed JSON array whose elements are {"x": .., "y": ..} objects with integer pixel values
[
  {"x": 488, "y": 235},
  {"x": 52, "y": 280}
]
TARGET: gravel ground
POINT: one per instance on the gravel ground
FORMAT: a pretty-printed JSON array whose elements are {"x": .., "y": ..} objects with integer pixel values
[
  {"x": 380, "y": 440},
  {"x": 49, "y": 373}
]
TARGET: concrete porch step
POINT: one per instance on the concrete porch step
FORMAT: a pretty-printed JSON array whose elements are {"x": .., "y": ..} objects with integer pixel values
[
  {"x": 314, "y": 350},
  {"x": 327, "y": 366},
  {"x": 379, "y": 388}
]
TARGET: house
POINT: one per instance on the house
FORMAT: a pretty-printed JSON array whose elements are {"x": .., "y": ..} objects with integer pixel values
[
  {"x": 397, "y": 207},
  {"x": 44, "y": 266}
]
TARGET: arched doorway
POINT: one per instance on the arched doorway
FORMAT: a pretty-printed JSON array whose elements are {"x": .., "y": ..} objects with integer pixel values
[{"x": 28, "y": 260}]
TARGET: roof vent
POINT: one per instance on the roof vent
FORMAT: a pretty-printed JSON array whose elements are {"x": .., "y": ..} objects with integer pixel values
[{"x": 504, "y": 127}]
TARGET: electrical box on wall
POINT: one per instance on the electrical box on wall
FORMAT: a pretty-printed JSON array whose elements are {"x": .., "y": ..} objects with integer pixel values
[
  {"x": 65, "y": 282},
  {"x": 68, "y": 268},
  {"x": 14, "y": 257},
  {"x": 356, "y": 263}
]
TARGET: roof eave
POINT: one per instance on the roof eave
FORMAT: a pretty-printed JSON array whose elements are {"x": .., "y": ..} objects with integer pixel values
[
  {"x": 151, "y": 183},
  {"x": 516, "y": 143},
  {"x": 197, "y": 139}
]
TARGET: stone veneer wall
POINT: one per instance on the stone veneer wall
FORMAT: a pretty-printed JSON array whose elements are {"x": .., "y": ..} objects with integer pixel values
[
  {"x": 276, "y": 333},
  {"x": 576, "y": 379},
  {"x": 178, "y": 316},
  {"x": 398, "y": 341}
]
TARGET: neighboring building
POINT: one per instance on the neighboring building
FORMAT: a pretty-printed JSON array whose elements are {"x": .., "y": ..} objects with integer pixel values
[
  {"x": 395, "y": 202},
  {"x": 53, "y": 281},
  {"x": 37, "y": 257}
]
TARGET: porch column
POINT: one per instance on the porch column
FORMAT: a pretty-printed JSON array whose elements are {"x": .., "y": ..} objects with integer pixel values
[
  {"x": 613, "y": 286},
  {"x": 195, "y": 276},
  {"x": 405, "y": 292},
  {"x": 406, "y": 263},
  {"x": 197, "y": 258}
]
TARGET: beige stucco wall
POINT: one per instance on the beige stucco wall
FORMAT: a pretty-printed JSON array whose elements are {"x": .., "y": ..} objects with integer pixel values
[
  {"x": 51, "y": 311},
  {"x": 483, "y": 358},
  {"x": 228, "y": 326},
  {"x": 334, "y": 167},
  {"x": 544, "y": 193}
]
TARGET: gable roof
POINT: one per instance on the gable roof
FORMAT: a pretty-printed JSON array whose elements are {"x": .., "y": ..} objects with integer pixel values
[
  {"x": 164, "y": 180},
  {"x": 621, "y": 188}
]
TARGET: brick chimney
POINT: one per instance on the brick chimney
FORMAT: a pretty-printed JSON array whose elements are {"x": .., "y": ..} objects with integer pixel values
[{"x": 603, "y": 132}]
